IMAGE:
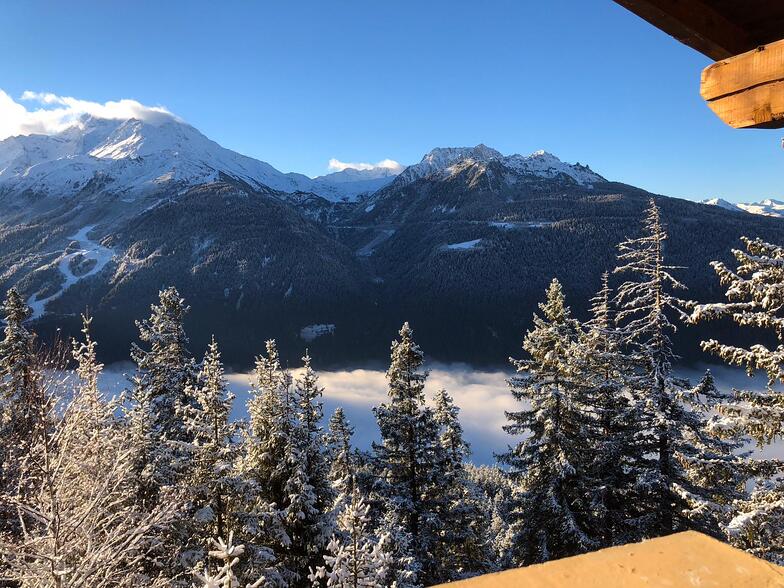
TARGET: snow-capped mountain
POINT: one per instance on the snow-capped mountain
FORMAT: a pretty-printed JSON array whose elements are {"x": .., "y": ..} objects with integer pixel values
[
  {"x": 133, "y": 157},
  {"x": 441, "y": 158},
  {"x": 445, "y": 161},
  {"x": 348, "y": 184},
  {"x": 767, "y": 207}
]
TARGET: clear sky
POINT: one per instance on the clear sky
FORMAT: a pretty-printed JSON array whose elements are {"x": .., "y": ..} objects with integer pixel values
[{"x": 297, "y": 83}]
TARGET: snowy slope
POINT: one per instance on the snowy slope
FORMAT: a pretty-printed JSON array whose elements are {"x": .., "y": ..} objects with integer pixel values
[{"x": 350, "y": 183}]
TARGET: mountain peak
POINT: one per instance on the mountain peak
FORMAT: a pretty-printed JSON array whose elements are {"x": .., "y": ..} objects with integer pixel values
[{"x": 540, "y": 164}]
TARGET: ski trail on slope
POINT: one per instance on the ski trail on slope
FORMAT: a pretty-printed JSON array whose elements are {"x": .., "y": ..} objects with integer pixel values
[{"x": 88, "y": 249}]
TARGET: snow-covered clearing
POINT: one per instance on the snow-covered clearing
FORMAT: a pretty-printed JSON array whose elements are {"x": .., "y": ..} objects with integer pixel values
[
  {"x": 509, "y": 225},
  {"x": 368, "y": 249},
  {"x": 463, "y": 245},
  {"x": 312, "y": 332},
  {"x": 86, "y": 249}
]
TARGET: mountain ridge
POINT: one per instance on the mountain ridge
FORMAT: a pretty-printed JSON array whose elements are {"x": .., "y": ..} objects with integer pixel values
[{"x": 463, "y": 247}]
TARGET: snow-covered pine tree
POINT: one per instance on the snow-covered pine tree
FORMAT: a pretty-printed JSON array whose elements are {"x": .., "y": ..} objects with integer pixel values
[
  {"x": 82, "y": 524},
  {"x": 693, "y": 473},
  {"x": 407, "y": 460},
  {"x": 492, "y": 491},
  {"x": 16, "y": 355},
  {"x": 209, "y": 478},
  {"x": 163, "y": 373},
  {"x": 229, "y": 556},
  {"x": 603, "y": 367},
  {"x": 758, "y": 524},
  {"x": 552, "y": 516},
  {"x": 340, "y": 457},
  {"x": 464, "y": 547},
  {"x": 276, "y": 461},
  {"x": 317, "y": 530},
  {"x": 644, "y": 302},
  {"x": 16, "y": 390},
  {"x": 754, "y": 300},
  {"x": 356, "y": 559}
]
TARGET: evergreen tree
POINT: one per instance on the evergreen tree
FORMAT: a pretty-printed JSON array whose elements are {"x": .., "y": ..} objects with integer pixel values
[
  {"x": 407, "y": 459},
  {"x": 551, "y": 517},
  {"x": 758, "y": 524},
  {"x": 163, "y": 373},
  {"x": 692, "y": 472},
  {"x": 608, "y": 374},
  {"x": 229, "y": 555},
  {"x": 209, "y": 479},
  {"x": 492, "y": 492},
  {"x": 16, "y": 395},
  {"x": 279, "y": 444},
  {"x": 463, "y": 548},
  {"x": 318, "y": 529},
  {"x": 342, "y": 462},
  {"x": 754, "y": 293},
  {"x": 357, "y": 559},
  {"x": 16, "y": 356},
  {"x": 314, "y": 521},
  {"x": 754, "y": 300}
]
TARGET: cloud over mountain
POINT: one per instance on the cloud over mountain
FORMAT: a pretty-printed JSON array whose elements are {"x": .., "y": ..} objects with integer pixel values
[
  {"x": 51, "y": 114},
  {"x": 390, "y": 164}
]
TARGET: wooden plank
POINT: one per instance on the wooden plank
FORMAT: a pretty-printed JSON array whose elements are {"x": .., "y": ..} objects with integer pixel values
[
  {"x": 760, "y": 107},
  {"x": 694, "y": 23},
  {"x": 760, "y": 66}
]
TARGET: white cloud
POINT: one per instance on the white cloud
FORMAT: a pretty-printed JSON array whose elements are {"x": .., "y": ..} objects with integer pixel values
[
  {"x": 56, "y": 113},
  {"x": 390, "y": 164}
]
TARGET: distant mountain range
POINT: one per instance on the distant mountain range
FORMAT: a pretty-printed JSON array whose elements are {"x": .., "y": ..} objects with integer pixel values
[
  {"x": 767, "y": 207},
  {"x": 463, "y": 243}
]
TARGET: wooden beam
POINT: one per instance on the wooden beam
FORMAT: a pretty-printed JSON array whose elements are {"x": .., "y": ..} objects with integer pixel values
[
  {"x": 695, "y": 24},
  {"x": 747, "y": 91}
]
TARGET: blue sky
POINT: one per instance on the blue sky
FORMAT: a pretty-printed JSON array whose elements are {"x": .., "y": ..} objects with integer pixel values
[{"x": 298, "y": 83}]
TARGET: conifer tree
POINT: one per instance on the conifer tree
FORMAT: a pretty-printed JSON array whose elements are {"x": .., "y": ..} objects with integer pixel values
[
  {"x": 278, "y": 446},
  {"x": 463, "y": 548},
  {"x": 16, "y": 355},
  {"x": 692, "y": 472},
  {"x": 758, "y": 524},
  {"x": 551, "y": 517},
  {"x": 644, "y": 303},
  {"x": 265, "y": 460},
  {"x": 308, "y": 395},
  {"x": 339, "y": 455},
  {"x": 610, "y": 379},
  {"x": 754, "y": 299},
  {"x": 407, "y": 460},
  {"x": 16, "y": 395},
  {"x": 209, "y": 479},
  {"x": 754, "y": 294},
  {"x": 356, "y": 559},
  {"x": 163, "y": 373}
]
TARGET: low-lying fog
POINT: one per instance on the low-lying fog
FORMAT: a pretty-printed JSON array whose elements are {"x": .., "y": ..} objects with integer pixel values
[{"x": 482, "y": 396}]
